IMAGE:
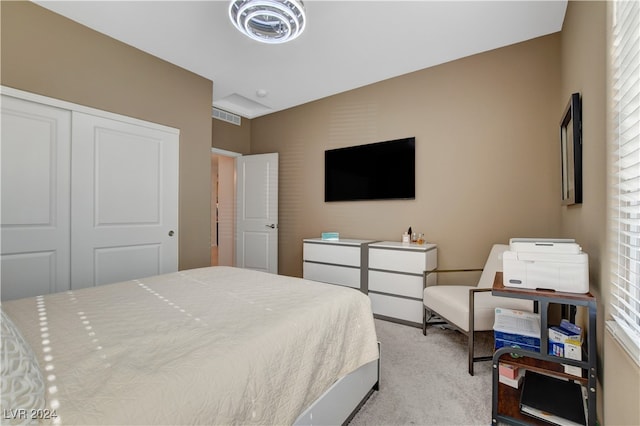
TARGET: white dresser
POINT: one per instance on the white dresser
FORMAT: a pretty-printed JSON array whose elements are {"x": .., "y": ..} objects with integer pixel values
[
  {"x": 342, "y": 262},
  {"x": 396, "y": 279}
]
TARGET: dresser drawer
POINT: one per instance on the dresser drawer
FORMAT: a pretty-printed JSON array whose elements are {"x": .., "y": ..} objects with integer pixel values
[
  {"x": 332, "y": 253},
  {"x": 400, "y": 284},
  {"x": 332, "y": 274},
  {"x": 411, "y": 261},
  {"x": 397, "y": 307}
]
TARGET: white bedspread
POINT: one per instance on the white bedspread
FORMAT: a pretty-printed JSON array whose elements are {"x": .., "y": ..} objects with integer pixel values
[{"x": 214, "y": 345}]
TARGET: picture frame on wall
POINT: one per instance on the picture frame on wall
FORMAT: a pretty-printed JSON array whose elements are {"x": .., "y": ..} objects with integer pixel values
[{"x": 571, "y": 151}]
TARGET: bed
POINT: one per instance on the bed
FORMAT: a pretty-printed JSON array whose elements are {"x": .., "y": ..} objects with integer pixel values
[{"x": 217, "y": 345}]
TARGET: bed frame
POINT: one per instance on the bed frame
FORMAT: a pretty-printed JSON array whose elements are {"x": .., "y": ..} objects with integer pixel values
[{"x": 343, "y": 399}]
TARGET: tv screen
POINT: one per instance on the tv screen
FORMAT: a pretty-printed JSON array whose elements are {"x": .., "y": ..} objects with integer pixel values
[{"x": 377, "y": 171}]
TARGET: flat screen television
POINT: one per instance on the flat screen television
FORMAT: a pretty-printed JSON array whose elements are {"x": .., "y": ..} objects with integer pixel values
[{"x": 376, "y": 171}]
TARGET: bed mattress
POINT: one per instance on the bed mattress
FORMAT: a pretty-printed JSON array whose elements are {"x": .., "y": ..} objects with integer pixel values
[{"x": 215, "y": 345}]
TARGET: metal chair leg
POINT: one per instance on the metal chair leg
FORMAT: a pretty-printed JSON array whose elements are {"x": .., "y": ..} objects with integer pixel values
[
  {"x": 471, "y": 351},
  {"x": 471, "y": 329},
  {"x": 424, "y": 321}
]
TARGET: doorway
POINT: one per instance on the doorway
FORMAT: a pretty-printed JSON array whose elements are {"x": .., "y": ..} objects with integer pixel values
[{"x": 223, "y": 201}]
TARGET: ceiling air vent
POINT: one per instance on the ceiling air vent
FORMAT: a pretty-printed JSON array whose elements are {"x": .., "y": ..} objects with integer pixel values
[{"x": 226, "y": 116}]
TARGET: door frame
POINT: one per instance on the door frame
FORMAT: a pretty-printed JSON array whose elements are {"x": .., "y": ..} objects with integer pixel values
[
  {"x": 232, "y": 249},
  {"x": 218, "y": 151}
]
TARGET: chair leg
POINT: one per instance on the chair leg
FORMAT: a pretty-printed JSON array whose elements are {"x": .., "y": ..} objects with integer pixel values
[
  {"x": 472, "y": 328},
  {"x": 471, "y": 351},
  {"x": 424, "y": 321}
]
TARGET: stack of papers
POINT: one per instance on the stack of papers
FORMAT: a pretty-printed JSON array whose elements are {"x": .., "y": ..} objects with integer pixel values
[{"x": 517, "y": 329}]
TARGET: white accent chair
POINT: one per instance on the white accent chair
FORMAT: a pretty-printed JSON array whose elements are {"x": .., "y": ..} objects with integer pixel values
[{"x": 469, "y": 308}]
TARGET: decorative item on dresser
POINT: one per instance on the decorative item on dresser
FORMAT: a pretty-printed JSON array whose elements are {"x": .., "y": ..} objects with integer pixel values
[{"x": 396, "y": 279}]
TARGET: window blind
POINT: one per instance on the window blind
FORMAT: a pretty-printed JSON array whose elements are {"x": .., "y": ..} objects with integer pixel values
[{"x": 625, "y": 171}]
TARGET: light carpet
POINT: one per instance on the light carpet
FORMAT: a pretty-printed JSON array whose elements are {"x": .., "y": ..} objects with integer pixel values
[{"x": 424, "y": 379}]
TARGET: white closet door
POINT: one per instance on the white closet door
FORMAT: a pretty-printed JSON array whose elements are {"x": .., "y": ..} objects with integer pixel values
[
  {"x": 35, "y": 152},
  {"x": 125, "y": 201}
]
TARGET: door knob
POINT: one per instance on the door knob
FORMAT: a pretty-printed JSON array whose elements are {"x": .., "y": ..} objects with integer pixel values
[
  {"x": 171, "y": 233},
  {"x": 272, "y": 226}
]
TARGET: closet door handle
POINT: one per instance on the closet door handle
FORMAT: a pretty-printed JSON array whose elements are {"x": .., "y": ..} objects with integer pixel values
[
  {"x": 272, "y": 226},
  {"x": 171, "y": 233}
]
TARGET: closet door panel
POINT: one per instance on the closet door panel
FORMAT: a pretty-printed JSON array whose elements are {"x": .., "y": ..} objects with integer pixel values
[
  {"x": 128, "y": 180},
  {"x": 125, "y": 210},
  {"x": 30, "y": 273},
  {"x": 35, "y": 203},
  {"x": 114, "y": 264}
]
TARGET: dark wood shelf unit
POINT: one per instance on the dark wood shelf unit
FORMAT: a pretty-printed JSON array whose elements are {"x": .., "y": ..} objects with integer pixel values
[
  {"x": 542, "y": 366},
  {"x": 506, "y": 400}
]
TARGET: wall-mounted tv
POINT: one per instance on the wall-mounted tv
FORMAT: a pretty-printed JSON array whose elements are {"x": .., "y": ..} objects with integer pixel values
[{"x": 376, "y": 171}]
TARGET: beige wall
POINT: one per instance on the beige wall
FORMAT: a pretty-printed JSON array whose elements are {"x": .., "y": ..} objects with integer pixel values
[
  {"x": 583, "y": 46},
  {"x": 231, "y": 137},
  {"x": 621, "y": 384},
  {"x": 584, "y": 70},
  {"x": 486, "y": 154},
  {"x": 47, "y": 54}
]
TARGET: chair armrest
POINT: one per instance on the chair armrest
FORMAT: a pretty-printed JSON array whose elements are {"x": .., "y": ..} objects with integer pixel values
[
  {"x": 436, "y": 271},
  {"x": 453, "y": 270},
  {"x": 472, "y": 293},
  {"x": 472, "y": 310},
  {"x": 478, "y": 290}
]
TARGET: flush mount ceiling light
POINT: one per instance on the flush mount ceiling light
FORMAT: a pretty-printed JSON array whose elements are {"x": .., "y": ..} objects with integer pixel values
[{"x": 268, "y": 21}]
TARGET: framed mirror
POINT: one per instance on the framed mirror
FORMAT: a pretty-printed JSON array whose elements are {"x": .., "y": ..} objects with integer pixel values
[{"x": 571, "y": 151}]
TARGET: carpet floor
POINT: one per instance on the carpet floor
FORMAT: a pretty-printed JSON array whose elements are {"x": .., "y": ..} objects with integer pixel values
[{"x": 424, "y": 379}]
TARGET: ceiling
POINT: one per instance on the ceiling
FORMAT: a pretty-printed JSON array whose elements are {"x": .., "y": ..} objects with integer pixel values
[{"x": 346, "y": 44}]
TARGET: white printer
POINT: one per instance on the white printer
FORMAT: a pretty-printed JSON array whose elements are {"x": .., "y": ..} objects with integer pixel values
[{"x": 551, "y": 264}]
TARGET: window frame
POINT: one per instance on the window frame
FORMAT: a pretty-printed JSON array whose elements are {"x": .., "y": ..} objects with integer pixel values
[{"x": 624, "y": 171}]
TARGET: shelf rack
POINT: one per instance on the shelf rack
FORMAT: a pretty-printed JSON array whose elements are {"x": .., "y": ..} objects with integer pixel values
[{"x": 506, "y": 400}]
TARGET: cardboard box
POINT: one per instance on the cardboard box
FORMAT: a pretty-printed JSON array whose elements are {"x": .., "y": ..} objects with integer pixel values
[
  {"x": 514, "y": 382},
  {"x": 559, "y": 335},
  {"x": 556, "y": 349},
  {"x": 517, "y": 338},
  {"x": 516, "y": 329},
  {"x": 509, "y": 371},
  {"x": 573, "y": 350},
  {"x": 567, "y": 325},
  {"x": 507, "y": 344},
  {"x": 565, "y": 341}
]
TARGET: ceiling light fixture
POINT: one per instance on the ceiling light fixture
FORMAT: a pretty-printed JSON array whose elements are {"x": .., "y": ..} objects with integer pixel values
[{"x": 268, "y": 21}]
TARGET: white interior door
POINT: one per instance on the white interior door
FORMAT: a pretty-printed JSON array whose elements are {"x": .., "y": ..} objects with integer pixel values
[
  {"x": 257, "y": 212},
  {"x": 125, "y": 201},
  {"x": 35, "y": 230}
]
